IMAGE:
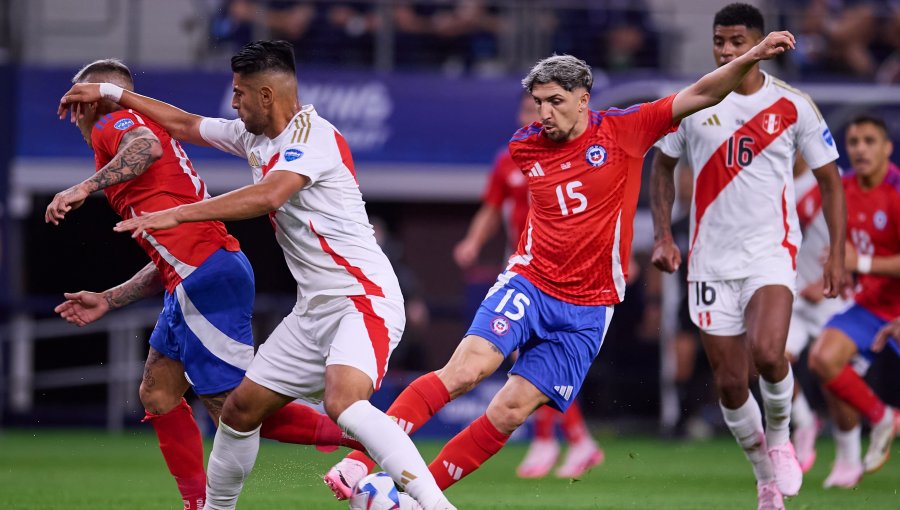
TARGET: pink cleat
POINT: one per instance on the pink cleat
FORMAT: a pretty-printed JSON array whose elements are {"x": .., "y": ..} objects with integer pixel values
[
  {"x": 804, "y": 440},
  {"x": 788, "y": 475},
  {"x": 581, "y": 457},
  {"x": 880, "y": 439},
  {"x": 344, "y": 476},
  {"x": 539, "y": 460},
  {"x": 844, "y": 475},
  {"x": 769, "y": 496}
]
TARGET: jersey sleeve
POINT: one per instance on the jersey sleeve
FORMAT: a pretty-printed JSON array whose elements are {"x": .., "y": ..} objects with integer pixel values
[
  {"x": 638, "y": 127},
  {"x": 814, "y": 139},
  {"x": 673, "y": 144},
  {"x": 226, "y": 135},
  {"x": 109, "y": 131},
  {"x": 495, "y": 192},
  {"x": 306, "y": 160}
]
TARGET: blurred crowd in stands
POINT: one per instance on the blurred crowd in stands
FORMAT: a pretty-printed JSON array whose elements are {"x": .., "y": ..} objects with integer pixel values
[{"x": 853, "y": 39}]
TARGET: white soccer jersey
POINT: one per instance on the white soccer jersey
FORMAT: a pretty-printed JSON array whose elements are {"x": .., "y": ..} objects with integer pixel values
[
  {"x": 742, "y": 152},
  {"x": 816, "y": 240},
  {"x": 323, "y": 230}
]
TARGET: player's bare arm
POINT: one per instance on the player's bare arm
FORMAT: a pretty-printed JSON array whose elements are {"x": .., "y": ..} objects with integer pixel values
[
  {"x": 666, "y": 255},
  {"x": 712, "y": 88},
  {"x": 82, "y": 308},
  {"x": 868, "y": 264},
  {"x": 834, "y": 208},
  {"x": 181, "y": 125},
  {"x": 484, "y": 225},
  {"x": 250, "y": 201},
  {"x": 138, "y": 149}
]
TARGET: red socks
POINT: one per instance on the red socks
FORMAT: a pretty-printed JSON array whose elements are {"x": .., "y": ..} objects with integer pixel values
[
  {"x": 182, "y": 447},
  {"x": 413, "y": 407},
  {"x": 851, "y": 388},
  {"x": 466, "y": 452},
  {"x": 544, "y": 420},
  {"x": 300, "y": 424},
  {"x": 573, "y": 424}
]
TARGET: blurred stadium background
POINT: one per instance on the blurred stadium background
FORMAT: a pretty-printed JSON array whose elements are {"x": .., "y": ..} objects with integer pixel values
[{"x": 426, "y": 93}]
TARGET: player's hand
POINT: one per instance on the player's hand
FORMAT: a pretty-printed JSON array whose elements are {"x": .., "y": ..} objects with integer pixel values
[
  {"x": 666, "y": 256},
  {"x": 63, "y": 202},
  {"x": 891, "y": 329},
  {"x": 79, "y": 94},
  {"x": 147, "y": 222},
  {"x": 465, "y": 253},
  {"x": 82, "y": 308},
  {"x": 814, "y": 292},
  {"x": 773, "y": 45},
  {"x": 834, "y": 278}
]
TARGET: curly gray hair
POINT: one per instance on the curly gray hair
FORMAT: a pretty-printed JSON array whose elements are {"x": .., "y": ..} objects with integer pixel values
[{"x": 568, "y": 71}]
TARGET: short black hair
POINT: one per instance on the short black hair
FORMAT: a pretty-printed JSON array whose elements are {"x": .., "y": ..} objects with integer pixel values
[
  {"x": 104, "y": 66},
  {"x": 740, "y": 14},
  {"x": 868, "y": 118},
  {"x": 264, "y": 56}
]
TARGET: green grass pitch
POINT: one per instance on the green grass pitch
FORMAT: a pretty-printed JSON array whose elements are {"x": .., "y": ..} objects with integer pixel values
[{"x": 89, "y": 470}]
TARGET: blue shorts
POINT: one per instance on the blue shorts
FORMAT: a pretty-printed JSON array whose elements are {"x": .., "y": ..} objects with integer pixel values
[
  {"x": 860, "y": 325},
  {"x": 557, "y": 341},
  {"x": 205, "y": 323}
]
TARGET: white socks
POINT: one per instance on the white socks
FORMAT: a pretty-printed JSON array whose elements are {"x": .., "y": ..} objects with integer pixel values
[
  {"x": 848, "y": 445},
  {"x": 801, "y": 414},
  {"x": 230, "y": 462},
  {"x": 393, "y": 450},
  {"x": 746, "y": 425},
  {"x": 777, "y": 398}
]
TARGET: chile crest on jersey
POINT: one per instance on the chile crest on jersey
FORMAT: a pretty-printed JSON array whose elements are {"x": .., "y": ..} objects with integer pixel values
[{"x": 595, "y": 155}]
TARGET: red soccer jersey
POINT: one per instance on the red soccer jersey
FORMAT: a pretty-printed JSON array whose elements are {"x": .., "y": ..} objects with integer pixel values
[
  {"x": 168, "y": 182},
  {"x": 507, "y": 190},
  {"x": 583, "y": 197},
  {"x": 873, "y": 226}
]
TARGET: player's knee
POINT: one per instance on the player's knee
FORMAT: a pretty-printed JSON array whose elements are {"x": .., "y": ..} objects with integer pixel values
[
  {"x": 460, "y": 378},
  {"x": 238, "y": 413},
  {"x": 732, "y": 387},
  {"x": 336, "y": 405},
  {"x": 506, "y": 416},
  {"x": 821, "y": 364},
  {"x": 157, "y": 400},
  {"x": 768, "y": 361}
]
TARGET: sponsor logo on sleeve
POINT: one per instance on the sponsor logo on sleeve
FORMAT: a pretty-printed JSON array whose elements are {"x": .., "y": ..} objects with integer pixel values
[
  {"x": 292, "y": 154},
  {"x": 826, "y": 136},
  {"x": 595, "y": 155},
  {"x": 123, "y": 124}
]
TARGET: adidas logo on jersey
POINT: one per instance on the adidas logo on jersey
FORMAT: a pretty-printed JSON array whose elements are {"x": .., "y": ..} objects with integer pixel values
[
  {"x": 564, "y": 391},
  {"x": 453, "y": 470},
  {"x": 712, "y": 121},
  {"x": 536, "y": 171}
]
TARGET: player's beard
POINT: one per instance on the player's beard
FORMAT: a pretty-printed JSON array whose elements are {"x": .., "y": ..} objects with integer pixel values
[{"x": 558, "y": 135}]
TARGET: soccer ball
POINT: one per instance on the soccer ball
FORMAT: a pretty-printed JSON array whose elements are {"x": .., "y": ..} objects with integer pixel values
[{"x": 375, "y": 492}]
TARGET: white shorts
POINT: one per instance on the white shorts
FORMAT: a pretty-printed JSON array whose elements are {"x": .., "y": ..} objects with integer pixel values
[
  {"x": 717, "y": 307},
  {"x": 358, "y": 331},
  {"x": 807, "y": 320}
]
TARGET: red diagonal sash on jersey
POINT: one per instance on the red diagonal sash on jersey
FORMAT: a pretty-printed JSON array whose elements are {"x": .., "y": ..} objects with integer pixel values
[{"x": 716, "y": 174}]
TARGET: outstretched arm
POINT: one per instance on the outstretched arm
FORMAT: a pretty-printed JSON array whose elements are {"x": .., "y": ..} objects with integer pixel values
[
  {"x": 484, "y": 225},
  {"x": 712, "y": 88},
  {"x": 248, "y": 202},
  {"x": 82, "y": 308},
  {"x": 834, "y": 208},
  {"x": 138, "y": 149},
  {"x": 666, "y": 256},
  {"x": 180, "y": 124}
]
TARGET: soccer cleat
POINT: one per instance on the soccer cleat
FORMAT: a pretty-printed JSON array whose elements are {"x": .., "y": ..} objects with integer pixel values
[
  {"x": 769, "y": 496},
  {"x": 344, "y": 476},
  {"x": 408, "y": 503},
  {"x": 541, "y": 456},
  {"x": 788, "y": 475},
  {"x": 804, "y": 440},
  {"x": 581, "y": 457},
  {"x": 880, "y": 439},
  {"x": 844, "y": 475}
]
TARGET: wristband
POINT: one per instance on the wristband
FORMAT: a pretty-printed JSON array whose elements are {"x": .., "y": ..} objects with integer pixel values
[
  {"x": 111, "y": 92},
  {"x": 864, "y": 264}
]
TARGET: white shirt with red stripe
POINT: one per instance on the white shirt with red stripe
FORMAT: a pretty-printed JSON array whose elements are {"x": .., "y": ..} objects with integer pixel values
[
  {"x": 324, "y": 231},
  {"x": 742, "y": 152},
  {"x": 816, "y": 240}
]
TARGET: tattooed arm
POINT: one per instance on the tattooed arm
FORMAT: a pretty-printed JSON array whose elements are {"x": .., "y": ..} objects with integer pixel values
[
  {"x": 138, "y": 149},
  {"x": 81, "y": 308}
]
